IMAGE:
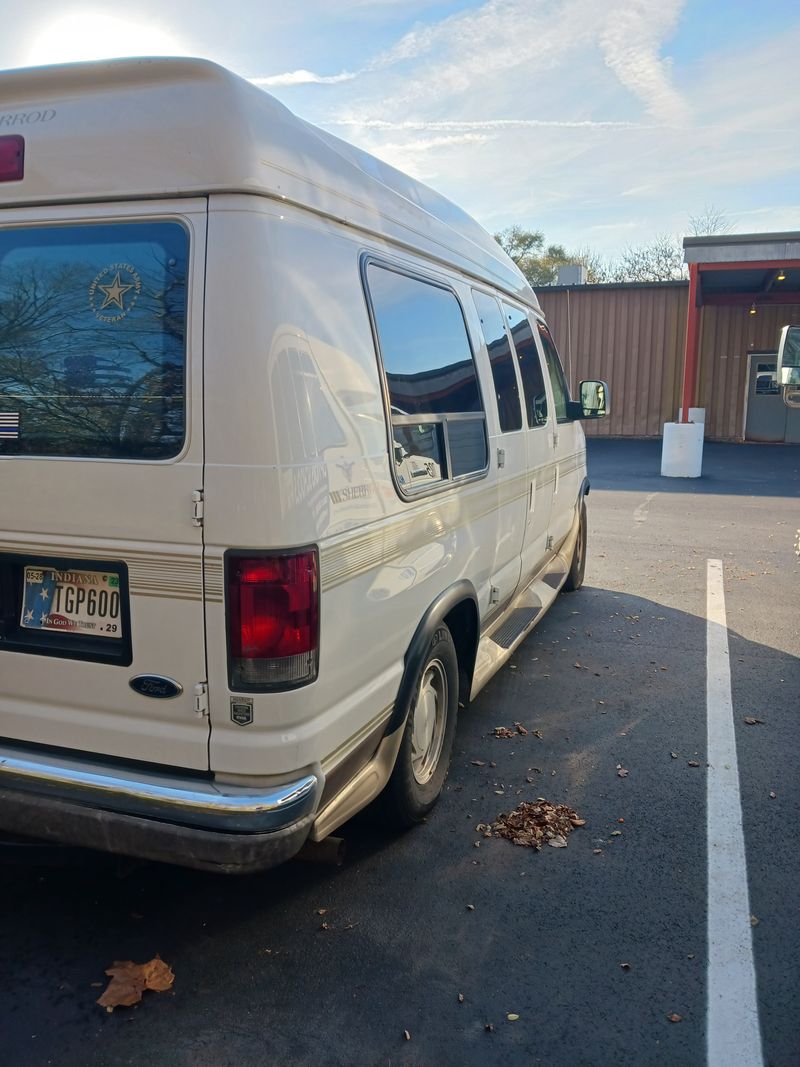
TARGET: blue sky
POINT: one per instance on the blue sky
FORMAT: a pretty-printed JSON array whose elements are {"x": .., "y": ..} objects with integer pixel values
[{"x": 600, "y": 122}]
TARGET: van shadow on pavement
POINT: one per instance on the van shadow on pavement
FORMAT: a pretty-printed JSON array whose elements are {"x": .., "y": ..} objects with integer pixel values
[{"x": 308, "y": 963}]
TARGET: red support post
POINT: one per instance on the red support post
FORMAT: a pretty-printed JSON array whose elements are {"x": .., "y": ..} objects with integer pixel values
[{"x": 692, "y": 343}]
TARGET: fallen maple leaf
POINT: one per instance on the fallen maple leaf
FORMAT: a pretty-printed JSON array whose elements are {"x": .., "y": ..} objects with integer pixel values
[
  {"x": 675, "y": 1018},
  {"x": 129, "y": 981},
  {"x": 622, "y": 773}
]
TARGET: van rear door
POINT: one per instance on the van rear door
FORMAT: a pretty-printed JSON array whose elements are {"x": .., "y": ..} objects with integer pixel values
[{"x": 101, "y": 465}]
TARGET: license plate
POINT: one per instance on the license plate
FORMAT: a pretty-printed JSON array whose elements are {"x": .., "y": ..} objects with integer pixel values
[{"x": 70, "y": 601}]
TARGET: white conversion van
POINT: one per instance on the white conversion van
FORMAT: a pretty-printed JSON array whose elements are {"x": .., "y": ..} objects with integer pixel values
[{"x": 288, "y": 469}]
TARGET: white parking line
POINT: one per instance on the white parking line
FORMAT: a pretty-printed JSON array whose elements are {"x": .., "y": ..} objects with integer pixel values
[{"x": 733, "y": 1027}]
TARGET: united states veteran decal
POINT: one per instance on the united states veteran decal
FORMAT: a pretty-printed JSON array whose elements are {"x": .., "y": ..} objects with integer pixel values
[{"x": 114, "y": 291}]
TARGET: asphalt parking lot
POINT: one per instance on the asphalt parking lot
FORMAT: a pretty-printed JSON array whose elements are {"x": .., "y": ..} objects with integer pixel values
[{"x": 428, "y": 933}]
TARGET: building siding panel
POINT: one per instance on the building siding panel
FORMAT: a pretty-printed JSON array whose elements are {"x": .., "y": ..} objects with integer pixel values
[{"x": 634, "y": 338}]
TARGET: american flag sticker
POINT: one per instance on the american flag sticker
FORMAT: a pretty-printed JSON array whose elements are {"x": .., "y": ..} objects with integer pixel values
[{"x": 9, "y": 425}]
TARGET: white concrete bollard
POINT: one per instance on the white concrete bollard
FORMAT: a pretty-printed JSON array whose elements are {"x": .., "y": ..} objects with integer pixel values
[{"x": 682, "y": 450}]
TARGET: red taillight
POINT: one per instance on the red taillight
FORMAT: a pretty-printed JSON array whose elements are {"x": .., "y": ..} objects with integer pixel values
[
  {"x": 273, "y": 620},
  {"x": 12, "y": 158}
]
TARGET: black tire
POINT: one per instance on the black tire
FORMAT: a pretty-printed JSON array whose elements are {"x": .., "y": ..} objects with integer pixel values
[
  {"x": 578, "y": 566},
  {"x": 415, "y": 784}
]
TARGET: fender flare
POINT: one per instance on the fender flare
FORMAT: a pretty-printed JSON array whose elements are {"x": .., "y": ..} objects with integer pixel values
[{"x": 434, "y": 616}]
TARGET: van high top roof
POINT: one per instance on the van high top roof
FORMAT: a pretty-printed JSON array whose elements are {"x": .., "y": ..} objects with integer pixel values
[{"x": 145, "y": 128}]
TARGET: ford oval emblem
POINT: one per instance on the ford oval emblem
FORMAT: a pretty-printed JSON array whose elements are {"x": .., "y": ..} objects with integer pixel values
[{"x": 156, "y": 685}]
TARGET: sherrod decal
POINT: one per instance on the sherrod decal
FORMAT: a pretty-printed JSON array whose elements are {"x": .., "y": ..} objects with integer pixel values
[{"x": 154, "y": 685}]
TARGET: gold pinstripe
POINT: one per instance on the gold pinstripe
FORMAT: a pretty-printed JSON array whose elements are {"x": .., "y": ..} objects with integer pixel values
[{"x": 176, "y": 576}]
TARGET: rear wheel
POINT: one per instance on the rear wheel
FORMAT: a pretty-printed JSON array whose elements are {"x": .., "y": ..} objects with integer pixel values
[
  {"x": 424, "y": 756},
  {"x": 578, "y": 566}
]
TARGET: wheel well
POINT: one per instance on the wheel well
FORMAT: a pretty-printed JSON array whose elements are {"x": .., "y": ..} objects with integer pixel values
[{"x": 462, "y": 622}]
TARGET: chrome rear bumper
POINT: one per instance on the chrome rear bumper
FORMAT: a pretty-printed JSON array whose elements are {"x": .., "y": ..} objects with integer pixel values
[{"x": 154, "y": 815}]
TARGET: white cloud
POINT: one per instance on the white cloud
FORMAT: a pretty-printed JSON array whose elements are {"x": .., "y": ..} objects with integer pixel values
[
  {"x": 303, "y": 77},
  {"x": 630, "y": 41}
]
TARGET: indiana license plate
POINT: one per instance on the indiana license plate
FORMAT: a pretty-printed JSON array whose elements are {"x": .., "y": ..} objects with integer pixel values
[{"x": 71, "y": 601}]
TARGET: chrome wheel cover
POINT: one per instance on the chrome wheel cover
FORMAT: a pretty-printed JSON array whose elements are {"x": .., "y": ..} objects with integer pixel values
[{"x": 429, "y": 722}]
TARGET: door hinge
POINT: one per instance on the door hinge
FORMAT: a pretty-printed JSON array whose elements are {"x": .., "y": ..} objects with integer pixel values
[
  {"x": 501, "y": 457},
  {"x": 201, "y": 700},
  {"x": 555, "y": 440},
  {"x": 549, "y": 542},
  {"x": 197, "y": 507}
]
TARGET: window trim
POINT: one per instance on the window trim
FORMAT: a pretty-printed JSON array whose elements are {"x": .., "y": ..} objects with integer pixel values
[
  {"x": 413, "y": 493},
  {"x": 498, "y": 299},
  {"x": 192, "y": 236},
  {"x": 526, "y": 313},
  {"x": 568, "y": 395}
]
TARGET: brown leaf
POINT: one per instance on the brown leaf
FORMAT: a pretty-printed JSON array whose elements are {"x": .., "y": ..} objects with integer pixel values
[
  {"x": 460, "y": 998},
  {"x": 478, "y": 762},
  {"x": 622, "y": 773},
  {"x": 751, "y": 720},
  {"x": 625, "y": 966},
  {"x": 129, "y": 981},
  {"x": 521, "y": 729},
  {"x": 503, "y": 731},
  {"x": 558, "y": 841},
  {"x": 694, "y": 763},
  {"x": 754, "y": 921},
  {"x": 674, "y": 755},
  {"x": 772, "y": 794},
  {"x": 406, "y": 1035},
  {"x": 470, "y": 907},
  {"x": 675, "y": 1018},
  {"x": 578, "y": 822}
]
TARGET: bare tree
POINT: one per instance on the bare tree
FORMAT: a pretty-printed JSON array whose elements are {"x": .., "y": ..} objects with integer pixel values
[
  {"x": 659, "y": 261},
  {"x": 711, "y": 220}
]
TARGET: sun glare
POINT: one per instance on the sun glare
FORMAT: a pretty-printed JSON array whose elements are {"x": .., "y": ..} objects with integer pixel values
[{"x": 93, "y": 35}]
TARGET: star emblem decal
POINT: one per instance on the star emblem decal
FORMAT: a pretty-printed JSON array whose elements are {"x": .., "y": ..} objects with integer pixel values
[{"x": 114, "y": 293}]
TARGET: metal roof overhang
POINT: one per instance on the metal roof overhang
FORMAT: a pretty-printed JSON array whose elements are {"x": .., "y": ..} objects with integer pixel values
[
  {"x": 744, "y": 269},
  {"x": 735, "y": 270}
]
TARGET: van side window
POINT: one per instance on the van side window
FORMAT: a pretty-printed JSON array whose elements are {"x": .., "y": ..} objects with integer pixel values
[
  {"x": 499, "y": 348},
  {"x": 438, "y": 421},
  {"x": 530, "y": 366},
  {"x": 92, "y": 339},
  {"x": 556, "y": 372}
]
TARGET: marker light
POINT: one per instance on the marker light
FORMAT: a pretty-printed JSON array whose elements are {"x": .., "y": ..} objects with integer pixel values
[{"x": 12, "y": 158}]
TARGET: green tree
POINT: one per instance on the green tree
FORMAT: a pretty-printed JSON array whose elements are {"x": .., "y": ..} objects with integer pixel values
[{"x": 537, "y": 261}]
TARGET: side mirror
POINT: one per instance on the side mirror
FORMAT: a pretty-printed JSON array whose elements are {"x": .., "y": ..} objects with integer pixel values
[
  {"x": 789, "y": 365},
  {"x": 593, "y": 403}
]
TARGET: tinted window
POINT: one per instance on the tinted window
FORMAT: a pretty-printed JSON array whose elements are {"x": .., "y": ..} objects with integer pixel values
[
  {"x": 530, "y": 366},
  {"x": 499, "y": 348},
  {"x": 92, "y": 338},
  {"x": 431, "y": 378},
  {"x": 424, "y": 344},
  {"x": 556, "y": 372}
]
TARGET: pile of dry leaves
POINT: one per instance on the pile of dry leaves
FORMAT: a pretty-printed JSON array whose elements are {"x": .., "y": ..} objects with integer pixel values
[{"x": 534, "y": 823}]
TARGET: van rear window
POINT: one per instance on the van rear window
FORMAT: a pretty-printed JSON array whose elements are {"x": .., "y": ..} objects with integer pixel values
[{"x": 92, "y": 340}]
